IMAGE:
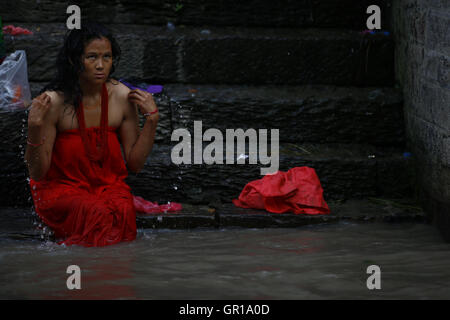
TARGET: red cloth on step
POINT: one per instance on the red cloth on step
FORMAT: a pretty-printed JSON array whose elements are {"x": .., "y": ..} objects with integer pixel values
[
  {"x": 297, "y": 191},
  {"x": 145, "y": 206},
  {"x": 83, "y": 197}
]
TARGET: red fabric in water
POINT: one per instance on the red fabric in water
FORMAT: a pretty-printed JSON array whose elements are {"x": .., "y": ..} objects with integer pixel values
[
  {"x": 297, "y": 191},
  {"x": 83, "y": 197}
]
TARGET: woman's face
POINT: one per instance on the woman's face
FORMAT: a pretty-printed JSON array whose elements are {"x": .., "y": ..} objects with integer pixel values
[{"x": 97, "y": 60}]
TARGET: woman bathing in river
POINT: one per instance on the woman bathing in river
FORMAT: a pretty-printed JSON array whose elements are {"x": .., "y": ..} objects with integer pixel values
[{"x": 76, "y": 129}]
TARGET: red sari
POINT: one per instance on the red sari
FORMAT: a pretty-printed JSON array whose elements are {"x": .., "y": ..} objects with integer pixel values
[{"x": 83, "y": 197}]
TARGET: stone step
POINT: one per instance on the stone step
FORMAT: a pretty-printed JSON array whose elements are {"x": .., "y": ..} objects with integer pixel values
[
  {"x": 229, "y": 55},
  {"x": 345, "y": 172},
  {"x": 17, "y": 223},
  {"x": 303, "y": 114},
  {"x": 256, "y": 13},
  {"x": 230, "y": 216},
  {"x": 312, "y": 114}
]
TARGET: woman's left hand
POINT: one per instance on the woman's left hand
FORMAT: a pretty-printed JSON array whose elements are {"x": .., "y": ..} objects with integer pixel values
[{"x": 143, "y": 99}]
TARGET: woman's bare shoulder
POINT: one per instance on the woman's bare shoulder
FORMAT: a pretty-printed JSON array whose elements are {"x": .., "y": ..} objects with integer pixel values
[
  {"x": 57, "y": 104},
  {"x": 119, "y": 89}
]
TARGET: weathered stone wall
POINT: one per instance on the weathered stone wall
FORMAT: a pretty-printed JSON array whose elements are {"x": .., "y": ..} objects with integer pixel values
[{"x": 421, "y": 29}]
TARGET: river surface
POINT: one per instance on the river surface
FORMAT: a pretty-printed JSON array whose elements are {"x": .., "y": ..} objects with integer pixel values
[{"x": 313, "y": 262}]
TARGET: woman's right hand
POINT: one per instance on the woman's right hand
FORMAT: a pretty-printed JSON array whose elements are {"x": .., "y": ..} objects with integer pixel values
[{"x": 39, "y": 108}]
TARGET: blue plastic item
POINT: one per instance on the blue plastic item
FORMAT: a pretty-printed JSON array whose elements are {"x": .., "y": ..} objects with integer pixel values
[
  {"x": 407, "y": 154},
  {"x": 149, "y": 89}
]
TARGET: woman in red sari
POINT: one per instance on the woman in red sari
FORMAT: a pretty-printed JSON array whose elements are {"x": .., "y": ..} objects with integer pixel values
[{"x": 76, "y": 129}]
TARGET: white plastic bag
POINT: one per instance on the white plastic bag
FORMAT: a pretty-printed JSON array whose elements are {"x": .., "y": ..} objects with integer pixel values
[{"x": 14, "y": 88}]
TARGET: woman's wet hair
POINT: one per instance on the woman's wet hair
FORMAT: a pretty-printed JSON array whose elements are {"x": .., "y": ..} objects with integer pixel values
[{"x": 69, "y": 62}]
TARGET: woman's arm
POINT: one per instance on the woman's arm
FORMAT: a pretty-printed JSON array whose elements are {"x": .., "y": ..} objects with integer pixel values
[
  {"x": 137, "y": 144},
  {"x": 143, "y": 145},
  {"x": 41, "y": 136}
]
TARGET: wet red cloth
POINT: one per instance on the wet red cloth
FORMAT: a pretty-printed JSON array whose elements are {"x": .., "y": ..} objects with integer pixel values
[
  {"x": 297, "y": 191},
  {"x": 145, "y": 206},
  {"x": 83, "y": 197}
]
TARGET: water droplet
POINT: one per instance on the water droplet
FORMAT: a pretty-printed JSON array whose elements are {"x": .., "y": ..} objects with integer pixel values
[{"x": 170, "y": 26}]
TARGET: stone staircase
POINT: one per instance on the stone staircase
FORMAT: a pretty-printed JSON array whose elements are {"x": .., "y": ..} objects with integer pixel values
[{"x": 302, "y": 67}]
